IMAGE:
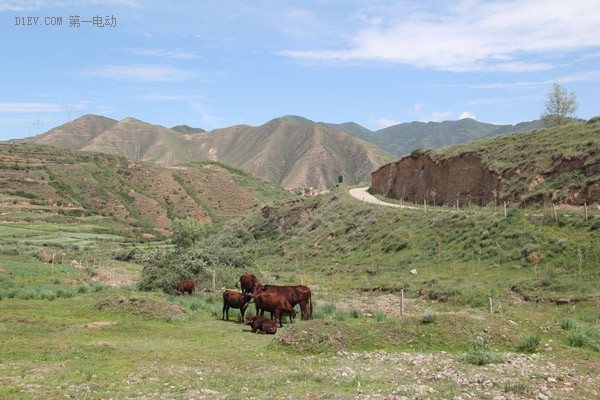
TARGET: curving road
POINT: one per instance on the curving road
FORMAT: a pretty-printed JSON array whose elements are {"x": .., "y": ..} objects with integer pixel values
[{"x": 363, "y": 195}]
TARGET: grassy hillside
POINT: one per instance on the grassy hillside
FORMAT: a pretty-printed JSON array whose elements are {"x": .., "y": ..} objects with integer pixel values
[
  {"x": 67, "y": 333},
  {"x": 41, "y": 183},
  {"x": 547, "y": 163},
  {"x": 81, "y": 327}
]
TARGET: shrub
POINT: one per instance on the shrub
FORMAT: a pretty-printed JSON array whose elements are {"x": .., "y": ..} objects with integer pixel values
[
  {"x": 580, "y": 335},
  {"x": 530, "y": 343},
  {"x": 480, "y": 353},
  {"x": 519, "y": 387},
  {"x": 416, "y": 153},
  {"x": 429, "y": 317}
]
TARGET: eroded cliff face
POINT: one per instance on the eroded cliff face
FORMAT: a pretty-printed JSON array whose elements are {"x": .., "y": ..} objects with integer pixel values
[
  {"x": 462, "y": 178},
  {"x": 465, "y": 178}
]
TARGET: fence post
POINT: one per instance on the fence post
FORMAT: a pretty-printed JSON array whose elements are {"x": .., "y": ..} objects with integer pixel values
[
  {"x": 555, "y": 215},
  {"x": 504, "y": 209},
  {"x": 401, "y": 302},
  {"x": 213, "y": 281},
  {"x": 490, "y": 305},
  {"x": 425, "y": 204},
  {"x": 585, "y": 209}
]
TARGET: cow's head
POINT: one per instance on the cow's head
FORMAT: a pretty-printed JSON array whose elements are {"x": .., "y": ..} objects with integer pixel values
[
  {"x": 249, "y": 319},
  {"x": 258, "y": 288},
  {"x": 247, "y": 298}
]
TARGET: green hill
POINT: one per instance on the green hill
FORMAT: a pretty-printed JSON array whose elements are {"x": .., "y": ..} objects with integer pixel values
[
  {"x": 402, "y": 139},
  {"x": 44, "y": 183},
  {"x": 559, "y": 165}
]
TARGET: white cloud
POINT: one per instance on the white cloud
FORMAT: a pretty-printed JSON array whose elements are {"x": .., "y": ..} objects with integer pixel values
[
  {"x": 31, "y": 107},
  {"x": 144, "y": 73},
  {"x": 385, "y": 122},
  {"x": 164, "y": 53},
  {"x": 473, "y": 35},
  {"x": 467, "y": 114},
  {"x": 436, "y": 116}
]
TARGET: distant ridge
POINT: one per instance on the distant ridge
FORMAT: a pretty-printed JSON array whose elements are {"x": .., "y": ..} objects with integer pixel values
[
  {"x": 291, "y": 151},
  {"x": 403, "y": 138},
  {"x": 187, "y": 129}
]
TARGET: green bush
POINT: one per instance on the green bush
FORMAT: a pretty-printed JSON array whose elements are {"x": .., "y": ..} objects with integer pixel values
[
  {"x": 480, "y": 353},
  {"x": 580, "y": 335},
  {"x": 429, "y": 317},
  {"x": 530, "y": 343}
]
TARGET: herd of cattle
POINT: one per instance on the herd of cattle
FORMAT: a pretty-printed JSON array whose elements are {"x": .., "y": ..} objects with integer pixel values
[{"x": 279, "y": 301}]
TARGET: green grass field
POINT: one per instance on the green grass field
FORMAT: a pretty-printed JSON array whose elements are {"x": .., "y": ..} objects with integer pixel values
[{"x": 83, "y": 330}]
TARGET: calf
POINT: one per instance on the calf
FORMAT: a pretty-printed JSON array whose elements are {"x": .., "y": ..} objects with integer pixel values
[
  {"x": 233, "y": 299},
  {"x": 274, "y": 303},
  {"x": 247, "y": 283},
  {"x": 183, "y": 287},
  {"x": 297, "y": 294},
  {"x": 261, "y": 324}
]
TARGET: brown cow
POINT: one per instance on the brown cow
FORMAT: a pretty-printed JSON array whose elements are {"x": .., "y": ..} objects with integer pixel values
[
  {"x": 274, "y": 303},
  {"x": 261, "y": 324},
  {"x": 233, "y": 299},
  {"x": 183, "y": 287},
  {"x": 298, "y": 294},
  {"x": 247, "y": 283}
]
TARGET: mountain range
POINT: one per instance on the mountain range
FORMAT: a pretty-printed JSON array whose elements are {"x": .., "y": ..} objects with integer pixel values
[{"x": 291, "y": 151}]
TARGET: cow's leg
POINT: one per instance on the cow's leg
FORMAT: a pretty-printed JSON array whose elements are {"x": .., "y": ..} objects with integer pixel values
[
  {"x": 278, "y": 317},
  {"x": 223, "y": 316},
  {"x": 304, "y": 310},
  {"x": 243, "y": 310}
]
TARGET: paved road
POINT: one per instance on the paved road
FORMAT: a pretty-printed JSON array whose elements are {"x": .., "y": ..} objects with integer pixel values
[{"x": 363, "y": 195}]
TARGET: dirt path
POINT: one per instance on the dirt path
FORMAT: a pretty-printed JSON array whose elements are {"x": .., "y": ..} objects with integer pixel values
[{"x": 363, "y": 195}]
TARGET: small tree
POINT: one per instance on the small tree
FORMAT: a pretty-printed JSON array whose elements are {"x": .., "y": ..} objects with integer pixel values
[
  {"x": 188, "y": 230},
  {"x": 560, "y": 106}
]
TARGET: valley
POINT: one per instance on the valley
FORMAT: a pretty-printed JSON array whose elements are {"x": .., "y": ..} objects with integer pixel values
[{"x": 409, "y": 303}]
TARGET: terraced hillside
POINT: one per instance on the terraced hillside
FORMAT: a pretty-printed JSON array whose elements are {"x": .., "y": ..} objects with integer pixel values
[{"x": 46, "y": 182}]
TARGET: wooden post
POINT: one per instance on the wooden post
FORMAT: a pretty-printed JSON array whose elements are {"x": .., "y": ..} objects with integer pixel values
[
  {"x": 52, "y": 260},
  {"x": 555, "y": 214},
  {"x": 490, "y": 305},
  {"x": 401, "y": 302},
  {"x": 214, "y": 286},
  {"x": 504, "y": 209},
  {"x": 425, "y": 204},
  {"x": 457, "y": 210},
  {"x": 301, "y": 281},
  {"x": 585, "y": 210}
]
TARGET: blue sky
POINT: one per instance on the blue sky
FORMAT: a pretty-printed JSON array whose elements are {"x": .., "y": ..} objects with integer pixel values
[{"x": 213, "y": 64}]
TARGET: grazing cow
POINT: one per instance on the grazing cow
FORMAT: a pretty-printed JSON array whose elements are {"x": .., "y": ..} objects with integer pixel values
[
  {"x": 274, "y": 303},
  {"x": 233, "y": 299},
  {"x": 247, "y": 283},
  {"x": 261, "y": 324},
  {"x": 183, "y": 287},
  {"x": 298, "y": 294}
]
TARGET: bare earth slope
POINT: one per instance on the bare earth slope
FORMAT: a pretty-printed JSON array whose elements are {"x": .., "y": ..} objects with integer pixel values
[{"x": 559, "y": 165}]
